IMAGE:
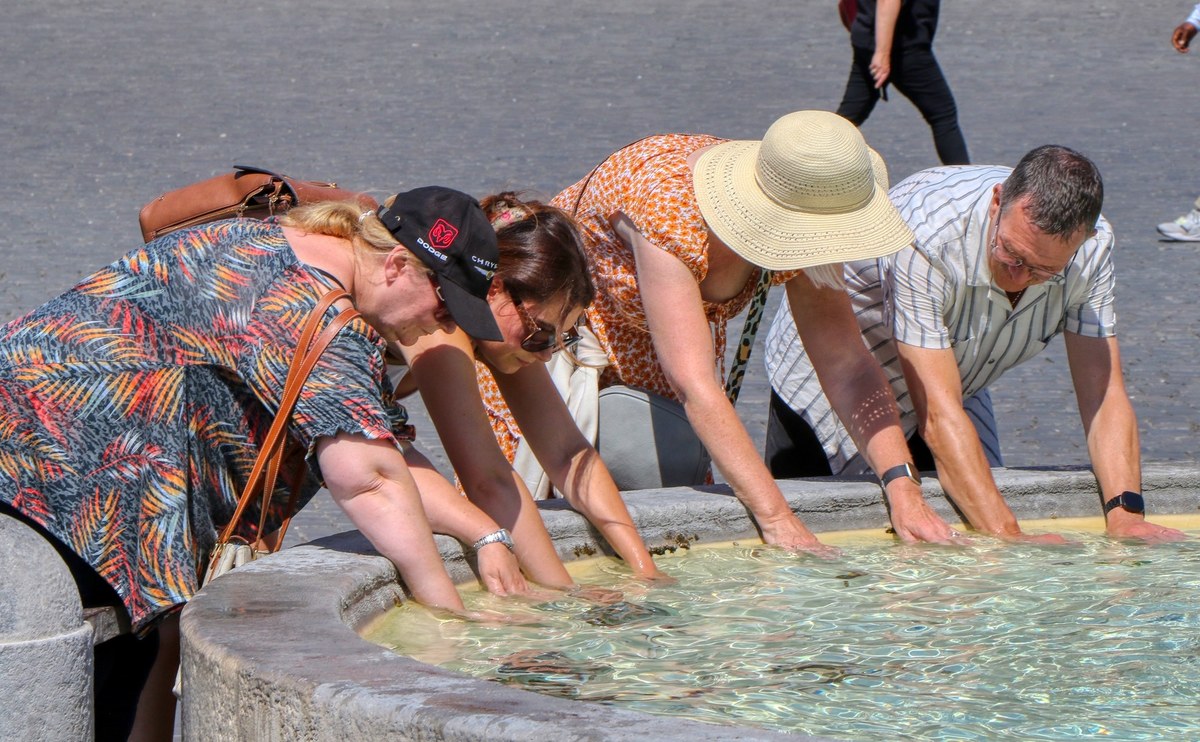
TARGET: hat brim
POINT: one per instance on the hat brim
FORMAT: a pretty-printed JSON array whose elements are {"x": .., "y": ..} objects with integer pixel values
[
  {"x": 776, "y": 237},
  {"x": 472, "y": 314}
]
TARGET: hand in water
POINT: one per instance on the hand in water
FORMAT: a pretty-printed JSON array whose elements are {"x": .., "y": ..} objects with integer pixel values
[
  {"x": 595, "y": 594},
  {"x": 1041, "y": 539},
  {"x": 1144, "y": 530},
  {"x": 913, "y": 521},
  {"x": 789, "y": 533},
  {"x": 500, "y": 572},
  {"x": 658, "y": 579},
  {"x": 484, "y": 616}
]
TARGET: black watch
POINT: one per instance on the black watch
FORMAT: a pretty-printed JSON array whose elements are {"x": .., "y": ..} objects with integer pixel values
[
  {"x": 1129, "y": 501},
  {"x": 900, "y": 470}
]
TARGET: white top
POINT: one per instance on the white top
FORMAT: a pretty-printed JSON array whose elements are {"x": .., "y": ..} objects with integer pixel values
[
  {"x": 939, "y": 293},
  {"x": 1194, "y": 18}
]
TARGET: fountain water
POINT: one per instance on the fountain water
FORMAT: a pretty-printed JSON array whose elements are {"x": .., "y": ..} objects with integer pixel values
[{"x": 271, "y": 650}]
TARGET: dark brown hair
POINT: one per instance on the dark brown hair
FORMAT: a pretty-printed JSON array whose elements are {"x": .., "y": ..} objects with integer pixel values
[
  {"x": 541, "y": 251},
  {"x": 1064, "y": 188}
]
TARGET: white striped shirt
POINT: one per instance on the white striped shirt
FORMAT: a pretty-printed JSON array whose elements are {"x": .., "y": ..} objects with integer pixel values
[{"x": 938, "y": 293}]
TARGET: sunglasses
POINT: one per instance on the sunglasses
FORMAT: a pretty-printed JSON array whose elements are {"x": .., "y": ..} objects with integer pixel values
[{"x": 541, "y": 337}]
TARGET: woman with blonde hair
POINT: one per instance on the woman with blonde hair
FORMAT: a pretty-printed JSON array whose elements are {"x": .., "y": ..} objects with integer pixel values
[{"x": 134, "y": 405}]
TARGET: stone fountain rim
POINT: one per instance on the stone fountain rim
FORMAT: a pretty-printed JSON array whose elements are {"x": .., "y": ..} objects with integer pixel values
[{"x": 253, "y": 670}]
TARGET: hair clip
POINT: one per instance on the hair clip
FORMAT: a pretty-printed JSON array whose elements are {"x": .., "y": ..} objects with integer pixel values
[{"x": 509, "y": 215}]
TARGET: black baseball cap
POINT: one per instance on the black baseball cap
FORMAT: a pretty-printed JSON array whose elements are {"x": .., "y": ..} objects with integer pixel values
[{"x": 449, "y": 232}]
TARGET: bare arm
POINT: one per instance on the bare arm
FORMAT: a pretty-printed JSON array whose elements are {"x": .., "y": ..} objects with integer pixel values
[
  {"x": 860, "y": 395},
  {"x": 679, "y": 329},
  {"x": 1111, "y": 428},
  {"x": 454, "y": 515},
  {"x": 933, "y": 381},
  {"x": 573, "y": 464},
  {"x": 886, "y": 14},
  {"x": 444, "y": 368},
  {"x": 371, "y": 483}
]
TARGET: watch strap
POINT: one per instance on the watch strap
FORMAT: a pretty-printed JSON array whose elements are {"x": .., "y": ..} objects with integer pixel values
[
  {"x": 500, "y": 536},
  {"x": 1130, "y": 501},
  {"x": 906, "y": 470}
]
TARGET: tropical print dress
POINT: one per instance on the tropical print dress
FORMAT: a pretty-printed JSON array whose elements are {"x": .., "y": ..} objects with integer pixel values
[{"x": 132, "y": 405}]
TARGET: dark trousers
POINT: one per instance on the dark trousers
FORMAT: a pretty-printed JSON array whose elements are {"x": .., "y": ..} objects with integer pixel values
[
  {"x": 917, "y": 76},
  {"x": 793, "y": 449}
]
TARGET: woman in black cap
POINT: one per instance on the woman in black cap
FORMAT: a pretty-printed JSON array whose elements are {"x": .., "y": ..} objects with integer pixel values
[{"x": 133, "y": 406}]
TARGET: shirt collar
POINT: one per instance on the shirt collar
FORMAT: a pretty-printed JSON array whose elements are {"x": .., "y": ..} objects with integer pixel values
[{"x": 975, "y": 241}]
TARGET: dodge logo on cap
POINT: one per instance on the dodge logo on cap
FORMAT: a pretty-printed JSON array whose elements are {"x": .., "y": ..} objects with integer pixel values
[{"x": 442, "y": 234}]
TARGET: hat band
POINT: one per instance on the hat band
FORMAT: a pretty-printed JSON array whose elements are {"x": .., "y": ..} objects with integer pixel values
[{"x": 840, "y": 209}]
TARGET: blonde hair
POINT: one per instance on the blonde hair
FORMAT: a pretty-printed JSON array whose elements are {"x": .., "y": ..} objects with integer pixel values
[{"x": 343, "y": 219}]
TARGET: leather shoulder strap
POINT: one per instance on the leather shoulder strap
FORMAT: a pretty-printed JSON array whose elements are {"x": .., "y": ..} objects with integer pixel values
[{"x": 271, "y": 449}]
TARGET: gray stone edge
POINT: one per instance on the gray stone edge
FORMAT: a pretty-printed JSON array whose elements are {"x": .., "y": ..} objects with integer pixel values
[{"x": 270, "y": 650}]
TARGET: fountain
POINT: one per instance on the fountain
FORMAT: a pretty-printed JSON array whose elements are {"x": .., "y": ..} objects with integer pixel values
[{"x": 271, "y": 650}]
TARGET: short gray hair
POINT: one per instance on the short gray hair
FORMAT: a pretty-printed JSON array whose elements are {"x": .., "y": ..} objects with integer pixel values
[{"x": 1064, "y": 189}]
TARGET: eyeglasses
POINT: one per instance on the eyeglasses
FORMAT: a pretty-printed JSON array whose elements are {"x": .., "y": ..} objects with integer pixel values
[
  {"x": 1001, "y": 252},
  {"x": 540, "y": 337}
]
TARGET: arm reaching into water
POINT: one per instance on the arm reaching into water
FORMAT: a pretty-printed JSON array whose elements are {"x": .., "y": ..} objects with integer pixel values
[
  {"x": 682, "y": 341},
  {"x": 371, "y": 483},
  {"x": 573, "y": 464}
]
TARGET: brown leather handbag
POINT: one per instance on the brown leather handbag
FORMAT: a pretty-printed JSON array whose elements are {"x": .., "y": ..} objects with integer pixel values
[{"x": 246, "y": 192}]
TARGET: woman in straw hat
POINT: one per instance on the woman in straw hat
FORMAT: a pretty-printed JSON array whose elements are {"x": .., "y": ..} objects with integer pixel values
[{"x": 678, "y": 228}]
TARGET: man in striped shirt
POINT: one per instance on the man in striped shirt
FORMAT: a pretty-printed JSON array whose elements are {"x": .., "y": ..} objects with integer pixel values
[{"x": 1002, "y": 261}]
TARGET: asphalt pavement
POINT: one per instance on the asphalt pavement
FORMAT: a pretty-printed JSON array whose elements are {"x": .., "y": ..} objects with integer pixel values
[{"x": 103, "y": 106}]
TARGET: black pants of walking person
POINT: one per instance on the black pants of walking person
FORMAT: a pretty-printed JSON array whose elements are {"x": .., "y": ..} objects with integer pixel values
[{"x": 917, "y": 76}]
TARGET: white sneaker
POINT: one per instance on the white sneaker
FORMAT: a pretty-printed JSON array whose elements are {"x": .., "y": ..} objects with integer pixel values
[{"x": 1184, "y": 229}]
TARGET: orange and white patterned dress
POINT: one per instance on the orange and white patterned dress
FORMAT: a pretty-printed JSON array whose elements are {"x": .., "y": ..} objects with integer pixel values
[{"x": 650, "y": 182}]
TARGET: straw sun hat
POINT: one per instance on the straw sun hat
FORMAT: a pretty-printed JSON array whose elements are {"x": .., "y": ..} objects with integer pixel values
[{"x": 811, "y": 192}]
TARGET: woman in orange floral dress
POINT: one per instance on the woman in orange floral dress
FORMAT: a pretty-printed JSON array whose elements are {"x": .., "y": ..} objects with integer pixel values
[{"x": 678, "y": 228}]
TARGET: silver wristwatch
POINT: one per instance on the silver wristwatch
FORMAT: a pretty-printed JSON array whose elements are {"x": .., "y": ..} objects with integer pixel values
[{"x": 500, "y": 536}]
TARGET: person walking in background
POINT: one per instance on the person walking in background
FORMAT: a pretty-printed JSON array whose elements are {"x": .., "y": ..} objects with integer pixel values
[
  {"x": 1187, "y": 227},
  {"x": 1183, "y": 34},
  {"x": 893, "y": 45}
]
